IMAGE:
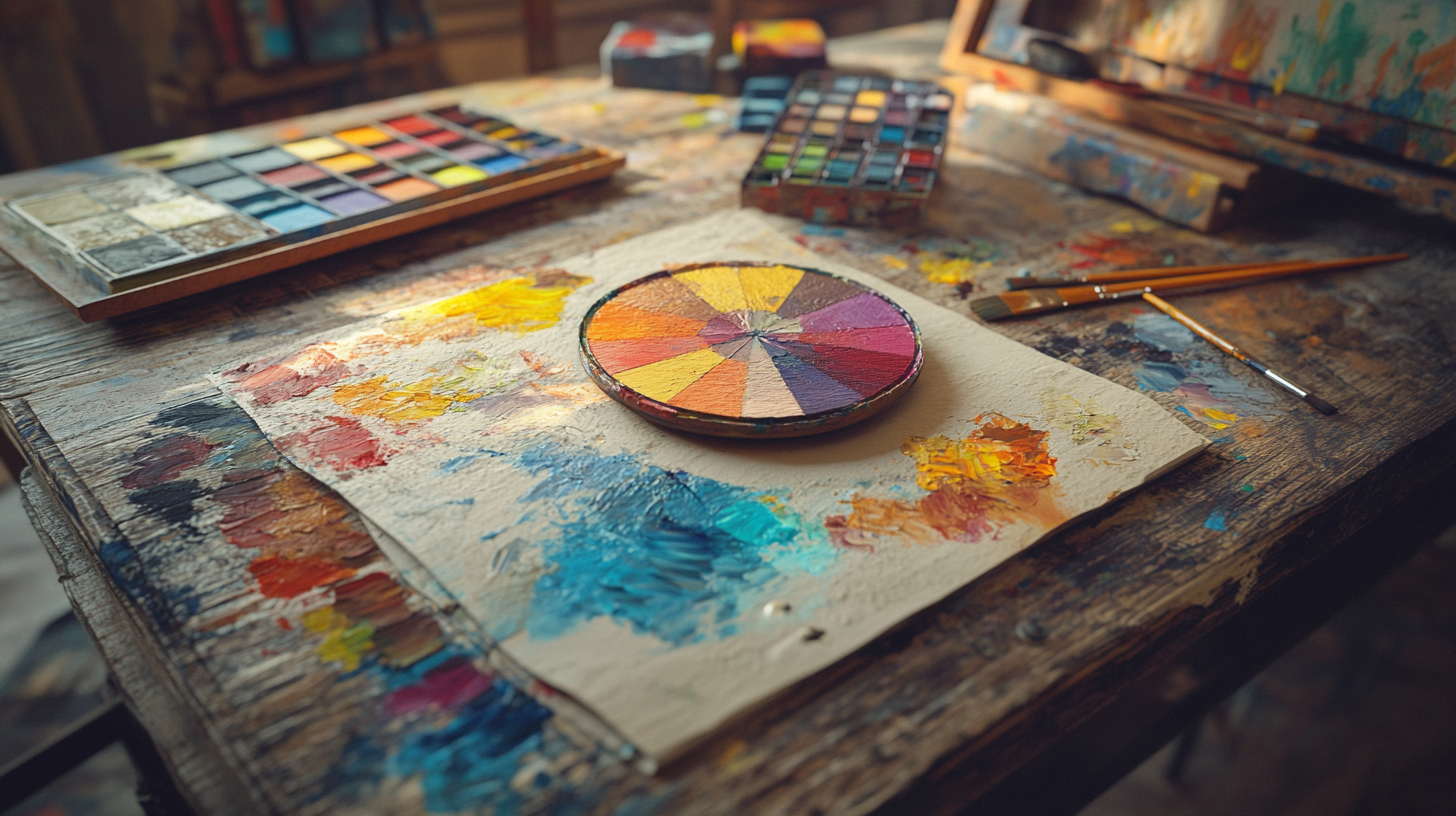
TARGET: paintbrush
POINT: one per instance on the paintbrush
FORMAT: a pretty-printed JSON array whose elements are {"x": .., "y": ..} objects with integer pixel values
[
  {"x": 1138, "y": 274},
  {"x": 1031, "y": 301},
  {"x": 1198, "y": 329}
]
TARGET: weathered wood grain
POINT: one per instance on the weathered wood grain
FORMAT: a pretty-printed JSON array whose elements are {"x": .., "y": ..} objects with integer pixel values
[{"x": 925, "y": 719}]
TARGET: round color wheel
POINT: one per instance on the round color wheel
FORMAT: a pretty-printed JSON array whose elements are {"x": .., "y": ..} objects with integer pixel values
[{"x": 750, "y": 349}]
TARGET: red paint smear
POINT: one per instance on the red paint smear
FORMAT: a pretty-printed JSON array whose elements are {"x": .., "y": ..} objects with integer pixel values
[
  {"x": 343, "y": 444},
  {"x": 285, "y": 624},
  {"x": 616, "y": 356},
  {"x": 448, "y": 686},
  {"x": 280, "y": 577},
  {"x": 1106, "y": 250},
  {"x": 165, "y": 460},
  {"x": 282, "y": 382}
]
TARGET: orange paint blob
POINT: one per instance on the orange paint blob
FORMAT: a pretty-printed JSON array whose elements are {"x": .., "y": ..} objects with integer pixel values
[
  {"x": 997, "y": 475},
  {"x": 282, "y": 577},
  {"x": 399, "y": 402},
  {"x": 616, "y": 322}
]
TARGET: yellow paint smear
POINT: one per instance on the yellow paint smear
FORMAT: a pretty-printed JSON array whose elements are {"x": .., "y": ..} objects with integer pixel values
[
  {"x": 1218, "y": 419},
  {"x": 518, "y": 303},
  {"x": 718, "y": 286},
  {"x": 398, "y": 402},
  {"x": 345, "y": 643},
  {"x": 938, "y": 268},
  {"x": 662, "y": 381},
  {"x": 893, "y": 262},
  {"x": 995, "y": 458},
  {"x": 765, "y": 287}
]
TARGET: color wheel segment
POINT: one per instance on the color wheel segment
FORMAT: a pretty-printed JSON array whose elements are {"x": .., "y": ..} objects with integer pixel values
[{"x": 750, "y": 348}]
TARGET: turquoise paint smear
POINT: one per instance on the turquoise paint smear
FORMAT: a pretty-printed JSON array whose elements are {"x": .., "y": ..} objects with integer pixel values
[
  {"x": 666, "y": 553},
  {"x": 1217, "y": 520}
]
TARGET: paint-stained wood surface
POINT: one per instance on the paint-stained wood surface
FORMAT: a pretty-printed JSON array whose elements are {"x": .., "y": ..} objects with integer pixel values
[{"x": 330, "y": 686}]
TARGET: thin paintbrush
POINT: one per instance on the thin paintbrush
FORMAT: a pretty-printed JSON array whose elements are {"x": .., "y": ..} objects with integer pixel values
[
  {"x": 1140, "y": 274},
  {"x": 1031, "y": 301},
  {"x": 1198, "y": 329}
]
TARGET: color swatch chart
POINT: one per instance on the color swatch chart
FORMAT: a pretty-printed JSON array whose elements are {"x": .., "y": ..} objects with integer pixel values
[
  {"x": 750, "y": 349},
  {"x": 131, "y": 229},
  {"x": 851, "y": 149}
]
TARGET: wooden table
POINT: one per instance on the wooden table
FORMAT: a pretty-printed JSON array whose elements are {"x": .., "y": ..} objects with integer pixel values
[{"x": 1025, "y": 691}]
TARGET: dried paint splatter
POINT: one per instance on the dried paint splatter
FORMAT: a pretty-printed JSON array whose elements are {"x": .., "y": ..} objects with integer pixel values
[
  {"x": 521, "y": 302},
  {"x": 999, "y": 474},
  {"x": 459, "y": 730},
  {"x": 1204, "y": 389},
  {"x": 1089, "y": 424}
]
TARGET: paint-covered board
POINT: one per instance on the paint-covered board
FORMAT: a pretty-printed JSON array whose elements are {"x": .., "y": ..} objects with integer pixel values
[
  {"x": 1378, "y": 72},
  {"x": 667, "y": 581}
]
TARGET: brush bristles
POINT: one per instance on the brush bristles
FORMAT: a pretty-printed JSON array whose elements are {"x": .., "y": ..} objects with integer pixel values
[
  {"x": 1324, "y": 407},
  {"x": 991, "y": 308}
]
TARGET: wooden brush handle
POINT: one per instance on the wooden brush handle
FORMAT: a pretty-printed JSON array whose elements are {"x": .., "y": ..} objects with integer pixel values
[{"x": 1072, "y": 295}]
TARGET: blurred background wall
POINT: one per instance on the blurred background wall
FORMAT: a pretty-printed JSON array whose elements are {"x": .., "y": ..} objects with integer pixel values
[{"x": 83, "y": 77}]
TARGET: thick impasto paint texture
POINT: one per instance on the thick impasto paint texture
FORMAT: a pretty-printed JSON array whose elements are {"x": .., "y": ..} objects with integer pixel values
[
  {"x": 669, "y": 554},
  {"x": 1000, "y": 474},
  {"x": 315, "y": 571},
  {"x": 666, "y": 580}
]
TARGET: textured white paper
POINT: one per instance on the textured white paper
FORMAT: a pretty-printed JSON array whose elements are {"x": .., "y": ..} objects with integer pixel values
[{"x": 670, "y": 581}]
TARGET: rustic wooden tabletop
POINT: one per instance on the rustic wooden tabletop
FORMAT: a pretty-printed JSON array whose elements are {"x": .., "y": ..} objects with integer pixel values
[{"x": 168, "y": 513}]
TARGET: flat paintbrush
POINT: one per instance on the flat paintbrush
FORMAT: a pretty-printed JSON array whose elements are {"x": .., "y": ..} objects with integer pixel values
[
  {"x": 1031, "y": 301},
  {"x": 1140, "y": 274},
  {"x": 1172, "y": 311}
]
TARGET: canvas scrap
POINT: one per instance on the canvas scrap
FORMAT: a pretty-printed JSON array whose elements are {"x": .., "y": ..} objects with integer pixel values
[{"x": 666, "y": 581}]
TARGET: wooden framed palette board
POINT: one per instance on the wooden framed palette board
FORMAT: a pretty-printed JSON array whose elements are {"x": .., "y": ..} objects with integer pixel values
[{"x": 134, "y": 229}]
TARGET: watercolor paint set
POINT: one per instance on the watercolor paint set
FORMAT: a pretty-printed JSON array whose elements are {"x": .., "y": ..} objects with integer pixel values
[
  {"x": 254, "y": 206},
  {"x": 852, "y": 149}
]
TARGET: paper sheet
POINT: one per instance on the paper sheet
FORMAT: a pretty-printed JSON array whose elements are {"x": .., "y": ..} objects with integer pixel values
[{"x": 667, "y": 581}]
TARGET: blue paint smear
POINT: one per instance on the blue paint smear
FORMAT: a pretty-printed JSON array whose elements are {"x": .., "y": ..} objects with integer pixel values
[
  {"x": 1162, "y": 332},
  {"x": 468, "y": 763},
  {"x": 1161, "y": 377},
  {"x": 1217, "y": 520},
  {"x": 817, "y": 229},
  {"x": 667, "y": 553}
]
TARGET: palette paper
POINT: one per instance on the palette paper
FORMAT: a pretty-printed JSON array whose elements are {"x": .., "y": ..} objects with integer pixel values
[
  {"x": 671, "y": 581},
  {"x": 234, "y": 205}
]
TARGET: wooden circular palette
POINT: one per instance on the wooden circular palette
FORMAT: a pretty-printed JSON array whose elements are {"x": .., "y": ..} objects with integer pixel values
[{"x": 750, "y": 349}]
